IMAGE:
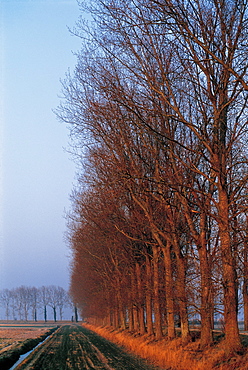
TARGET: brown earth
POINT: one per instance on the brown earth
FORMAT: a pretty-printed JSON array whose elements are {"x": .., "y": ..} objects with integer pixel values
[
  {"x": 72, "y": 347},
  {"x": 18, "y": 339}
]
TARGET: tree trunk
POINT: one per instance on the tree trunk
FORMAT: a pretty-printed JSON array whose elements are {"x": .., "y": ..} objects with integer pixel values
[
  {"x": 45, "y": 313},
  {"x": 149, "y": 321},
  {"x": 130, "y": 307},
  {"x": 206, "y": 286},
  {"x": 181, "y": 292},
  {"x": 245, "y": 287},
  {"x": 232, "y": 338},
  {"x": 76, "y": 313},
  {"x": 142, "y": 328},
  {"x": 130, "y": 316},
  {"x": 157, "y": 310},
  {"x": 134, "y": 304},
  {"x": 169, "y": 291},
  {"x": 206, "y": 299},
  {"x": 115, "y": 318},
  {"x": 54, "y": 314},
  {"x": 135, "y": 319},
  {"x": 121, "y": 316}
]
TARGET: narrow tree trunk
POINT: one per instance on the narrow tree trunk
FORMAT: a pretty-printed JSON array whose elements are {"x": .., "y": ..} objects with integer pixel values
[
  {"x": 142, "y": 328},
  {"x": 110, "y": 317},
  {"x": 149, "y": 321},
  {"x": 76, "y": 313},
  {"x": 169, "y": 291},
  {"x": 134, "y": 304},
  {"x": 206, "y": 299},
  {"x": 181, "y": 288},
  {"x": 157, "y": 310},
  {"x": 121, "y": 316},
  {"x": 206, "y": 286},
  {"x": 130, "y": 307},
  {"x": 130, "y": 316},
  {"x": 45, "y": 313},
  {"x": 245, "y": 287},
  {"x": 232, "y": 338},
  {"x": 116, "y": 318},
  {"x": 181, "y": 292},
  {"x": 54, "y": 314},
  {"x": 135, "y": 319}
]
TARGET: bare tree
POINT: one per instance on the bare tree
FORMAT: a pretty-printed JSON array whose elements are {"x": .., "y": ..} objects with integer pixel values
[
  {"x": 159, "y": 95},
  {"x": 5, "y": 301},
  {"x": 44, "y": 300},
  {"x": 62, "y": 301},
  {"x": 53, "y": 299},
  {"x": 34, "y": 301}
]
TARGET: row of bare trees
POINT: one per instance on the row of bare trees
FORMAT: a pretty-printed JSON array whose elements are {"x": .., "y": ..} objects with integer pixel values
[
  {"x": 157, "y": 109},
  {"x": 25, "y": 303}
]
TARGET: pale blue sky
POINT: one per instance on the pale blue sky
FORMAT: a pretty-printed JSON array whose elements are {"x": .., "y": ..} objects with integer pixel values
[{"x": 36, "y": 172}]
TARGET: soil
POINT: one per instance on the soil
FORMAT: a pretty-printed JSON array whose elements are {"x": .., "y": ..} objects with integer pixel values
[
  {"x": 74, "y": 347},
  {"x": 15, "y": 341}
]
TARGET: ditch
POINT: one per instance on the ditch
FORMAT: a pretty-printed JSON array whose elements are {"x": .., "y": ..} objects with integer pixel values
[{"x": 9, "y": 359}]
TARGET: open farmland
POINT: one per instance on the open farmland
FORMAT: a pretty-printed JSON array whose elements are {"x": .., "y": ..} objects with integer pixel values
[
  {"x": 74, "y": 347},
  {"x": 17, "y": 339}
]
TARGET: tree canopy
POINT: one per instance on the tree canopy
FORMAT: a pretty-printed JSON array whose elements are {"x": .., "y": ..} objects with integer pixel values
[{"x": 157, "y": 111}]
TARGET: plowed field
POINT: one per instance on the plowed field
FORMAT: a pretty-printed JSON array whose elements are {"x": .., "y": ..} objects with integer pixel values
[
  {"x": 16, "y": 340},
  {"x": 74, "y": 347}
]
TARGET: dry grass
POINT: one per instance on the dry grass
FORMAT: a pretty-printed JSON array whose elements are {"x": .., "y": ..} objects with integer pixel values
[
  {"x": 21, "y": 333},
  {"x": 171, "y": 354},
  {"x": 9, "y": 337}
]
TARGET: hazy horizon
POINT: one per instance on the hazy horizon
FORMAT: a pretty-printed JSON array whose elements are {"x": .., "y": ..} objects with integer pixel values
[{"x": 36, "y": 172}]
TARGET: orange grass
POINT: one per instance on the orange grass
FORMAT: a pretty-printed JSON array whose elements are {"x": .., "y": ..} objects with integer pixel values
[{"x": 171, "y": 354}]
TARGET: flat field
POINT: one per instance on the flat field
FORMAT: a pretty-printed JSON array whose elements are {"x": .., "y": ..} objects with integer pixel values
[
  {"x": 18, "y": 332},
  {"x": 68, "y": 347},
  {"x": 18, "y": 338}
]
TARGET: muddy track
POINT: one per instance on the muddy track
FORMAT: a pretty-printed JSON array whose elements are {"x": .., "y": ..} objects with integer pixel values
[{"x": 76, "y": 348}]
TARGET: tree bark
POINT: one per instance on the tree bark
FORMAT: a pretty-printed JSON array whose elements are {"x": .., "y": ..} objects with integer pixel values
[
  {"x": 121, "y": 316},
  {"x": 206, "y": 300},
  {"x": 181, "y": 292},
  {"x": 157, "y": 310},
  {"x": 130, "y": 317},
  {"x": 134, "y": 304},
  {"x": 169, "y": 291},
  {"x": 245, "y": 286},
  {"x": 149, "y": 320},
  {"x": 142, "y": 328},
  {"x": 206, "y": 286},
  {"x": 130, "y": 309},
  {"x": 232, "y": 338}
]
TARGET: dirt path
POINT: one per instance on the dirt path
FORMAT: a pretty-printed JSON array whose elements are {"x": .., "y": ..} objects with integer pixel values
[{"x": 76, "y": 348}]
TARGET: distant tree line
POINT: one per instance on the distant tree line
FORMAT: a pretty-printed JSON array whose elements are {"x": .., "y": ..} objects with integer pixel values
[
  {"x": 31, "y": 303},
  {"x": 157, "y": 110}
]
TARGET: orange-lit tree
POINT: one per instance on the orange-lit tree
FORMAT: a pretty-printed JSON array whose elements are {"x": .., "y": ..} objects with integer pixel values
[{"x": 159, "y": 98}]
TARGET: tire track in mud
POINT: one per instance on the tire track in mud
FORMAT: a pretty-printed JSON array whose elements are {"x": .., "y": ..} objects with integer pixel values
[{"x": 72, "y": 347}]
